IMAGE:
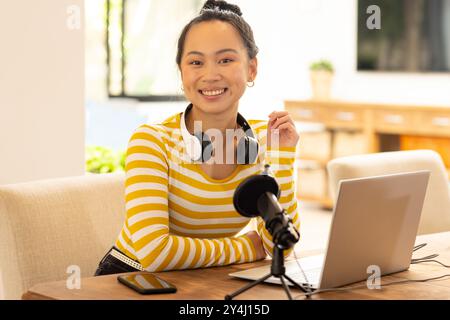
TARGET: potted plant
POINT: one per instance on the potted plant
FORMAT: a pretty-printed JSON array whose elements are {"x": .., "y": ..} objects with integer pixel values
[{"x": 321, "y": 72}]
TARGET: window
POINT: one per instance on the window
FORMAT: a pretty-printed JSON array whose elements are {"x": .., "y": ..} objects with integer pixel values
[{"x": 141, "y": 41}]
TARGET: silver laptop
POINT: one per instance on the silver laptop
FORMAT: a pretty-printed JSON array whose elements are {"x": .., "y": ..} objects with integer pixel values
[{"x": 375, "y": 223}]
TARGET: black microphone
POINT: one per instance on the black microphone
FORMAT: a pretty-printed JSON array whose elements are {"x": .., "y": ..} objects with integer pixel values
[{"x": 258, "y": 195}]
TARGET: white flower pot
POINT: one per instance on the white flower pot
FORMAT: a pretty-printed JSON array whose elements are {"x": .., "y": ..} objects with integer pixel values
[{"x": 321, "y": 82}]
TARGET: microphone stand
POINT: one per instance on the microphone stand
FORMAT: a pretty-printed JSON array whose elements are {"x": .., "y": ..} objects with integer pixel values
[
  {"x": 277, "y": 270},
  {"x": 257, "y": 196}
]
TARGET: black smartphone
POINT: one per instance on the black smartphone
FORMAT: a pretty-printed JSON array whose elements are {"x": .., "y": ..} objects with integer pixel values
[{"x": 146, "y": 283}]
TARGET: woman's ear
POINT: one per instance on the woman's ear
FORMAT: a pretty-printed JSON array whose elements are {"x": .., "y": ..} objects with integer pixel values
[{"x": 252, "y": 69}]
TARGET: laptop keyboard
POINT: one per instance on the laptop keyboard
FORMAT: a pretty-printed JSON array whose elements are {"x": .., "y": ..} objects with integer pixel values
[{"x": 312, "y": 275}]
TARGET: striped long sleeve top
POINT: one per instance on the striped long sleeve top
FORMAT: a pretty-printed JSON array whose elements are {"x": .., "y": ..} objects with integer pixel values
[{"x": 177, "y": 217}]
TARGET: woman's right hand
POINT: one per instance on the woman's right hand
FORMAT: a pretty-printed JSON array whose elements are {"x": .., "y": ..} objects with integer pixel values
[{"x": 257, "y": 244}]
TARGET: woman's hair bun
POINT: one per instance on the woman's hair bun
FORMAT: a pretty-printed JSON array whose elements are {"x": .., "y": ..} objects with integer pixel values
[{"x": 221, "y": 6}]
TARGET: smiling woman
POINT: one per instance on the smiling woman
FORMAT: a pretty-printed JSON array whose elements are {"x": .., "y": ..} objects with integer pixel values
[
  {"x": 180, "y": 213},
  {"x": 218, "y": 73}
]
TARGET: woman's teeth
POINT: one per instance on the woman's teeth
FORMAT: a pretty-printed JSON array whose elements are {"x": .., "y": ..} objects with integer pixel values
[{"x": 213, "y": 93}]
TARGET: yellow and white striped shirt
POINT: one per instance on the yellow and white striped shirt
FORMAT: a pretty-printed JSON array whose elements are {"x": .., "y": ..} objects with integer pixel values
[{"x": 177, "y": 217}]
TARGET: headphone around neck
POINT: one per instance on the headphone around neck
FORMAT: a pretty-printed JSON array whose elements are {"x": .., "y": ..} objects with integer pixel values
[{"x": 199, "y": 146}]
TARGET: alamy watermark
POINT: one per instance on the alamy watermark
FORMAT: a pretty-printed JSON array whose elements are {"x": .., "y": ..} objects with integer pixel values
[
  {"x": 374, "y": 20},
  {"x": 374, "y": 279},
  {"x": 74, "y": 279},
  {"x": 73, "y": 20}
]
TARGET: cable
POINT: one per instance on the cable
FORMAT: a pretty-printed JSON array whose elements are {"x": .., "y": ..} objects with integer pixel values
[
  {"x": 303, "y": 272},
  {"x": 431, "y": 256},
  {"x": 428, "y": 258},
  {"x": 431, "y": 260},
  {"x": 365, "y": 285},
  {"x": 419, "y": 246}
]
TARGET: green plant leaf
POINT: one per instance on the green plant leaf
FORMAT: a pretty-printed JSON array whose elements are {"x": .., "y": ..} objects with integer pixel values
[
  {"x": 101, "y": 159},
  {"x": 323, "y": 64}
]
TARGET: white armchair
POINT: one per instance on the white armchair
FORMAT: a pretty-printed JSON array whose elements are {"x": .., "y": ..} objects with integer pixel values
[
  {"x": 48, "y": 225},
  {"x": 436, "y": 209}
]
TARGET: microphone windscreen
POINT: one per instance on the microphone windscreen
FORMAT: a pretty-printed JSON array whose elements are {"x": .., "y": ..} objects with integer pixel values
[{"x": 245, "y": 199}]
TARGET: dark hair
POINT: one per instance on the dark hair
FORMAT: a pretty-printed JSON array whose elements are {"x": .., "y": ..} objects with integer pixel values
[{"x": 223, "y": 11}]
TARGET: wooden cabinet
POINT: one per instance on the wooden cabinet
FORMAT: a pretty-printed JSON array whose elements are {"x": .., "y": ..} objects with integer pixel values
[
  {"x": 435, "y": 123},
  {"x": 393, "y": 121},
  {"x": 350, "y": 118},
  {"x": 309, "y": 113},
  {"x": 355, "y": 128},
  {"x": 315, "y": 145}
]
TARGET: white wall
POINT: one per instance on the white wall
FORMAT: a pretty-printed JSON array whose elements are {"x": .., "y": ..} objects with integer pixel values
[
  {"x": 41, "y": 90},
  {"x": 290, "y": 35}
]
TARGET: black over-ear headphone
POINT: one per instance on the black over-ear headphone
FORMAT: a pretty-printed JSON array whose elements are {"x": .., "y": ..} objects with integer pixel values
[{"x": 199, "y": 145}]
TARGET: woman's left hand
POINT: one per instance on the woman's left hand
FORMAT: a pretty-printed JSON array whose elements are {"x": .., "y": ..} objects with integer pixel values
[{"x": 282, "y": 127}]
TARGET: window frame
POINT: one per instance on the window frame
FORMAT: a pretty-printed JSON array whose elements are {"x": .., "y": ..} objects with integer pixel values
[{"x": 123, "y": 94}]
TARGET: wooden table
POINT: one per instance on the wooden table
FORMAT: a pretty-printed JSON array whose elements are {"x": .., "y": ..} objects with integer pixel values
[{"x": 214, "y": 283}]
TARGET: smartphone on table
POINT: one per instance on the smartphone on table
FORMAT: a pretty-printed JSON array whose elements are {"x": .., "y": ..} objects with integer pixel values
[{"x": 146, "y": 283}]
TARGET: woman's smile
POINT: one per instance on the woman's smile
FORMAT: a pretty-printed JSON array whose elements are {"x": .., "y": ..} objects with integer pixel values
[{"x": 213, "y": 95}]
